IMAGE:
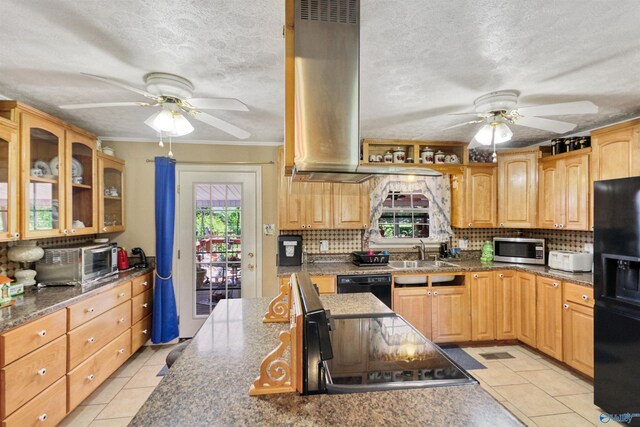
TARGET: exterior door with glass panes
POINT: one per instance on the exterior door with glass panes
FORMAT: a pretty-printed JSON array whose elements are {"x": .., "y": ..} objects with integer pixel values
[
  {"x": 81, "y": 209},
  {"x": 217, "y": 228},
  {"x": 43, "y": 177},
  {"x": 9, "y": 175},
  {"x": 110, "y": 194},
  {"x": 404, "y": 215}
]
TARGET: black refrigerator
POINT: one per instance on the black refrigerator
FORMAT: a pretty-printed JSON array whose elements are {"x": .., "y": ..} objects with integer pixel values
[{"x": 617, "y": 295}]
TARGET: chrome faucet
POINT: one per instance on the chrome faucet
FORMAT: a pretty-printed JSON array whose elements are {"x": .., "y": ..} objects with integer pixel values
[{"x": 422, "y": 250}]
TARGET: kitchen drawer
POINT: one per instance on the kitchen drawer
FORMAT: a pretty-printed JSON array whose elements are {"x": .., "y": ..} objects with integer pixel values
[
  {"x": 46, "y": 409},
  {"x": 325, "y": 284},
  {"x": 92, "y": 336},
  {"x": 84, "y": 379},
  {"x": 93, "y": 307},
  {"x": 578, "y": 294},
  {"x": 141, "y": 284},
  {"x": 140, "y": 333},
  {"x": 28, "y": 376},
  {"x": 24, "y": 339},
  {"x": 141, "y": 305}
]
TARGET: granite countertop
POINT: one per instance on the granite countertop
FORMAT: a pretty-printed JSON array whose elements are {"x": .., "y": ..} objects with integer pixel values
[
  {"x": 38, "y": 302},
  {"x": 209, "y": 384},
  {"x": 333, "y": 268}
]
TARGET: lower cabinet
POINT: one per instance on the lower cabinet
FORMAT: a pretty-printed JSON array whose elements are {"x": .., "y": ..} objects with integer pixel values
[
  {"x": 442, "y": 314},
  {"x": 483, "y": 306},
  {"x": 325, "y": 284},
  {"x": 506, "y": 283},
  {"x": 46, "y": 409},
  {"x": 140, "y": 333},
  {"x": 526, "y": 308},
  {"x": 549, "y": 317},
  {"x": 577, "y": 327}
]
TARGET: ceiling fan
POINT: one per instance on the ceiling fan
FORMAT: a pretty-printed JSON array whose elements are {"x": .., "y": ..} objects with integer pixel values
[
  {"x": 173, "y": 94},
  {"x": 497, "y": 110}
]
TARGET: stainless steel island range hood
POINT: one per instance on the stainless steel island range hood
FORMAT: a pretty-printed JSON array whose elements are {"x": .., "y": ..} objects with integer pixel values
[{"x": 327, "y": 95}]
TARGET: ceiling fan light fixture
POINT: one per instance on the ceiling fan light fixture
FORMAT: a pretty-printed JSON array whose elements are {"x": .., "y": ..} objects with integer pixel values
[
  {"x": 165, "y": 120},
  {"x": 181, "y": 126},
  {"x": 169, "y": 122},
  {"x": 484, "y": 135},
  {"x": 494, "y": 131}
]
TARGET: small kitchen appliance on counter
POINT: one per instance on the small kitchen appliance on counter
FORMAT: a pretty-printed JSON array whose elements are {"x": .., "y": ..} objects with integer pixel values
[
  {"x": 77, "y": 264},
  {"x": 123, "y": 259},
  {"x": 289, "y": 250},
  {"x": 570, "y": 261},
  {"x": 519, "y": 250},
  {"x": 143, "y": 258}
]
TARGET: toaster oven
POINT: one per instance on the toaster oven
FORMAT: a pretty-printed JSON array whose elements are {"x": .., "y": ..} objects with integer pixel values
[{"x": 77, "y": 264}]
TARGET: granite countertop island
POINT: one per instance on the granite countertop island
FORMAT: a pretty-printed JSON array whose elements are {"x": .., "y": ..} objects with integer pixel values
[
  {"x": 334, "y": 268},
  {"x": 38, "y": 302},
  {"x": 209, "y": 384}
]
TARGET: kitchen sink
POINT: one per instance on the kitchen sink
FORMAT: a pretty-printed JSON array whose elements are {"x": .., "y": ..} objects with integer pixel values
[{"x": 408, "y": 265}]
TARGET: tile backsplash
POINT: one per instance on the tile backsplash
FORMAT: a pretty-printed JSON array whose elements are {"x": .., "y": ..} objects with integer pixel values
[{"x": 340, "y": 241}]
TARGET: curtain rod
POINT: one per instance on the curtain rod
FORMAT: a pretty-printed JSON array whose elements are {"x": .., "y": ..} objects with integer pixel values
[{"x": 218, "y": 163}]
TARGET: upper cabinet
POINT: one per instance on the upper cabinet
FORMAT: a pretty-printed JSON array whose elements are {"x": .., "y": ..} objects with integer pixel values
[
  {"x": 81, "y": 184},
  {"x": 9, "y": 180},
  {"x": 474, "y": 197},
  {"x": 564, "y": 191},
  {"x": 518, "y": 188},
  {"x": 111, "y": 216},
  {"x": 351, "y": 206}
]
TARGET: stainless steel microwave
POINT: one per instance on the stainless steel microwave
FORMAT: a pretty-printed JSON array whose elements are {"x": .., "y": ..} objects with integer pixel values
[
  {"x": 519, "y": 250},
  {"x": 77, "y": 264}
]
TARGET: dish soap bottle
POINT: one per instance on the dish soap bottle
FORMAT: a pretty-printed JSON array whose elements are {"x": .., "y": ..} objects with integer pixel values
[{"x": 487, "y": 252}]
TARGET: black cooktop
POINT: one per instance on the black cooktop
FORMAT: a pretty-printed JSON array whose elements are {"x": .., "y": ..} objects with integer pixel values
[{"x": 384, "y": 352}]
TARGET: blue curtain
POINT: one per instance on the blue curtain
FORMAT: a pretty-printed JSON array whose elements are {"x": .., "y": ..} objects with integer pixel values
[{"x": 165, "y": 314}]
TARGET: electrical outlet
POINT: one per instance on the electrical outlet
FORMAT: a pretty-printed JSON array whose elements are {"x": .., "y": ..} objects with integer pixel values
[
  {"x": 588, "y": 248},
  {"x": 463, "y": 243},
  {"x": 324, "y": 246}
]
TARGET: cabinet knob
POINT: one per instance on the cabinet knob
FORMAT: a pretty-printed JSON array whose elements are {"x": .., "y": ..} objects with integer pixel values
[
  {"x": 91, "y": 340},
  {"x": 145, "y": 305},
  {"x": 501, "y": 276},
  {"x": 555, "y": 225},
  {"x": 475, "y": 276},
  {"x": 561, "y": 225},
  {"x": 42, "y": 417},
  {"x": 435, "y": 293},
  {"x": 91, "y": 377},
  {"x": 121, "y": 351},
  {"x": 584, "y": 297},
  {"x": 42, "y": 372},
  {"x": 308, "y": 225},
  {"x": 73, "y": 231},
  {"x": 304, "y": 226},
  {"x": 17, "y": 235},
  {"x": 144, "y": 332},
  {"x": 91, "y": 310},
  {"x": 145, "y": 283},
  {"x": 565, "y": 306},
  {"x": 65, "y": 231},
  {"x": 364, "y": 226},
  {"x": 502, "y": 224},
  {"x": 555, "y": 285},
  {"x": 122, "y": 295},
  {"x": 429, "y": 293},
  {"x": 43, "y": 333},
  {"x": 104, "y": 229},
  {"x": 121, "y": 320},
  {"x": 469, "y": 225}
]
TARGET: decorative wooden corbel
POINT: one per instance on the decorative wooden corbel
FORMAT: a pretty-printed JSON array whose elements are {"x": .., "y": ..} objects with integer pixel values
[
  {"x": 275, "y": 370},
  {"x": 279, "y": 307}
]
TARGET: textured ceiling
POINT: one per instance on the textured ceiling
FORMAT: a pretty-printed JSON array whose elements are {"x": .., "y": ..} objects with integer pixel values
[{"x": 419, "y": 60}]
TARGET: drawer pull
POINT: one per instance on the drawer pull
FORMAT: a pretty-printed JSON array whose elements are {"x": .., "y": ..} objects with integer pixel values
[
  {"x": 121, "y": 320},
  {"x": 122, "y": 295},
  {"x": 42, "y": 372},
  {"x": 42, "y": 417},
  {"x": 145, "y": 305},
  {"x": 565, "y": 306},
  {"x": 145, "y": 283},
  {"x": 584, "y": 297},
  {"x": 91, "y": 377},
  {"x": 475, "y": 276},
  {"x": 91, "y": 340},
  {"x": 501, "y": 276},
  {"x": 555, "y": 285},
  {"x": 121, "y": 351},
  {"x": 43, "y": 333},
  {"x": 91, "y": 310},
  {"x": 144, "y": 332}
]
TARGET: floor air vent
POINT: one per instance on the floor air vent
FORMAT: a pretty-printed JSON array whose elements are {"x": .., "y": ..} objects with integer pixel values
[
  {"x": 334, "y": 11},
  {"x": 497, "y": 356}
]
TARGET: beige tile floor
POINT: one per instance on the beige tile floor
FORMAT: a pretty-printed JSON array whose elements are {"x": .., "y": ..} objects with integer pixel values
[
  {"x": 118, "y": 399},
  {"x": 535, "y": 389}
]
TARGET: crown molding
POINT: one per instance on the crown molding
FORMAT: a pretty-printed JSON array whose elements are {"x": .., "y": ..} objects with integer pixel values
[{"x": 192, "y": 141}]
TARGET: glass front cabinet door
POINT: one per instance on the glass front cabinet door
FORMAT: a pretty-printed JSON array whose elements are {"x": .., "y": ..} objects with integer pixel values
[
  {"x": 81, "y": 184},
  {"x": 110, "y": 194},
  {"x": 9, "y": 176},
  {"x": 43, "y": 172}
]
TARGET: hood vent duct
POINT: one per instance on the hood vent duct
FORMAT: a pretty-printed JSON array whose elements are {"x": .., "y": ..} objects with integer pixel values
[{"x": 326, "y": 104}]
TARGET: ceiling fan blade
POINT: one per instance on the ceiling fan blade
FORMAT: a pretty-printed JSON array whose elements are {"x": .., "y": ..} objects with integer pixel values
[
  {"x": 222, "y": 125},
  {"x": 577, "y": 107},
  {"x": 122, "y": 85},
  {"x": 545, "y": 124},
  {"x": 218, "y": 104},
  {"x": 104, "y": 104},
  {"x": 464, "y": 124}
]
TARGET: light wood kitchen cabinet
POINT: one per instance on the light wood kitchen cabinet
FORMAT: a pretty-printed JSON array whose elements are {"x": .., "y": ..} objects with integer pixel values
[
  {"x": 526, "y": 310},
  {"x": 9, "y": 180},
  {"x": 518, "y": 188},
  {"x": 506, "y": 284},
  {"x": 549, "y": 316},
  {"x": 577, "y": 327},
  {"x": 414, "y": 305},
  {"x": 351, "y": 206},
  {"x": 325, "y": 284},
  {"x": 81, "y": 184},
  {"x": 474, "y": 197},
  {"x": 483, "y": 306},
  {"x": 307, "y": 205},
  {"x": 48, "y": 408},
  {"x": 111, "y": 213},
  {"x": 615, "y": 153},
  {"x": 451, "y": 320},
  {"x": 564, "y": 191}
]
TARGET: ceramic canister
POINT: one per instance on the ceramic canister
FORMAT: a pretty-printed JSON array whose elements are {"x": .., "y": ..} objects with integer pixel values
[
  {"x": 426, "y": 155},
  {"x": 439, "y": 157},
  {"x": 398, "y": 155}
]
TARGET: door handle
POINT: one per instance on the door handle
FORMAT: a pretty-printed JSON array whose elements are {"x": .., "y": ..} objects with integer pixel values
[
  {"x": 250, "y": 255},
  {"x": 250, "y": 267}
]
